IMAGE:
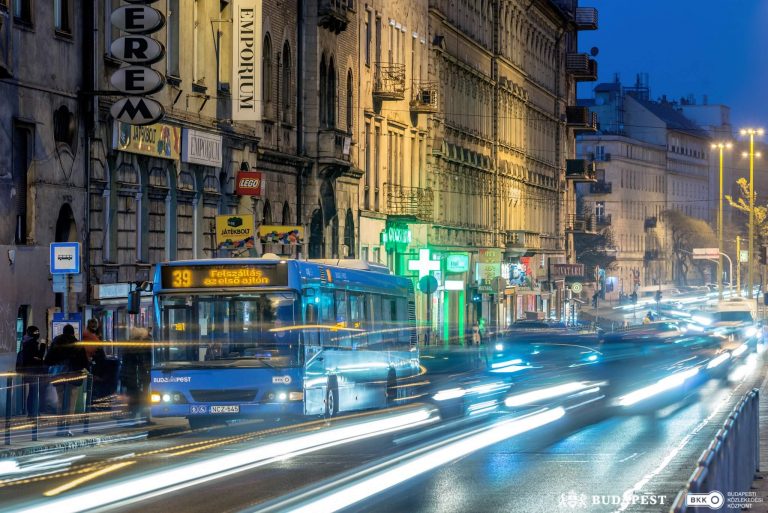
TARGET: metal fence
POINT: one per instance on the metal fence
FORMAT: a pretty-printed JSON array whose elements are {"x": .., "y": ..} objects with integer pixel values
[{"x": 730, "y": 462}]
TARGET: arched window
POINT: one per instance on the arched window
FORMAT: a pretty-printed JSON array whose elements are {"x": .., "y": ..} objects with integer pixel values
[
  {"x": 286, "y": 87},
  {"x": 350, "y": 102},
  {"x": 335, "y": 237},
  {"x": 323, "y": 106},
  {"x": 286, "y": 214},
  {"x": 331, "y": 94},
  {"x": 349, "y": 234},
  {"x": 267, "y": 213},
  {"x": 266, "y": 75}
]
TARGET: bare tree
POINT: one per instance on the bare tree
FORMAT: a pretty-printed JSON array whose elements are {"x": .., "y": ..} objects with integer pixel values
[{"x": 687, "y": 233}]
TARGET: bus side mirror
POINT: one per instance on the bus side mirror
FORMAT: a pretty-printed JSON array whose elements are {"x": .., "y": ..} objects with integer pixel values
[
  {"x": 134, "y": 301},
  {"x": 311, "y": 314}
]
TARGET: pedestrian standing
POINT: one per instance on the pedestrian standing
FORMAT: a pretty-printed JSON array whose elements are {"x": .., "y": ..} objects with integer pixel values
[
  {"x": 91, "y": 338},
  {"x": 30, "y": 365},
  {"x": 134, "y": 371},
  {"x": 475, "y": 340},
  {"x": 68, "y": 365}
]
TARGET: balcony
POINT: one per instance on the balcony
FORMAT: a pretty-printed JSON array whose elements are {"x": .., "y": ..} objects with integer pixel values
[
  {"x": 552, "y": 243},
  {"x": 650, "y": 223},
  {"x": 334, "y": 15},
  {"x": 581, "y": 119},
  {"x": 333, "y": 146},
  {"x": 413, "y": 203},
  {"x": 522, "y": 240},
  {"x": 651, "y": 254},
  {"x": 601, "y": 187},
  {"x": 423, "y": 96},
  {"x": 586, "y": 18},
  {"x": 389, "y": 81},
  {"x": 581, "y": 67},
  {"x": 603, "y": 221},
  {"x": 580, "y": 170},
  {"x": 579, "y": 223}
]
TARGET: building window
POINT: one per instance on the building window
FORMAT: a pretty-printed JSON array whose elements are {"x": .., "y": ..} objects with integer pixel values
[
  {"x": 323, "y": 92},
  {"x": 376, "y": 154},
  {"x": 331, "y": 94},
  {"x": 23, "y": 149},
  {"x": 266, "y": 76},
  {"x": 287, "y": 86},
  {"x": 22, "y": 12},
  {"x": 350, "y": 102},
  {"x": 367, "y": 193},
  {"x": 61, "y": 16},
  {"x": 349, "y": 234},
  {"x": 172, "y": 40},
  {"x": 368, "y": 38}
]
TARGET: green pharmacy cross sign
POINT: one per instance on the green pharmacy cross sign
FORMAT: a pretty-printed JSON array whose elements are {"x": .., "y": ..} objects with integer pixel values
[{"x": 424, "y": 264}]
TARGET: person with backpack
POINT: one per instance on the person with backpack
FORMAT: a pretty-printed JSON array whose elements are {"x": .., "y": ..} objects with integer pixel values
[
  {"x": 68, "y": 365},
  {"x": 29, "y": 363}
]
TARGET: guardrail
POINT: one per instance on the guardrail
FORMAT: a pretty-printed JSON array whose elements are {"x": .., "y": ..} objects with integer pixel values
[{"x": 730, "y": 462}]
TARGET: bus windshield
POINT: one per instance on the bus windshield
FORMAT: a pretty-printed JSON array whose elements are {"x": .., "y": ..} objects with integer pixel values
[{"x": 220, "y": 330}]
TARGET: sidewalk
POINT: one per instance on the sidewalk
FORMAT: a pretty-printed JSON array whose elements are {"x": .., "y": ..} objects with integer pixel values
[{"x": 100, "y": 432}]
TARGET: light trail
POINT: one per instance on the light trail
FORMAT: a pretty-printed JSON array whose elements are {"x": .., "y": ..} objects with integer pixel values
[
  {"x": 164, "y": 481},
  {"x": 375, "y": 483}
]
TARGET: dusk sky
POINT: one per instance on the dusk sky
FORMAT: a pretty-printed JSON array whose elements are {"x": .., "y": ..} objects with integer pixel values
[{"x": 705, "y": 47}]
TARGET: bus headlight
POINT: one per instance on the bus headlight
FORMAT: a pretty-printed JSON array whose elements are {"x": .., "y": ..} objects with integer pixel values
[
  {"x": 154, "y": 397},
  {"x": 166, "y": 398},
  {"x": 282, "y": 396},
  {"x": 296, "y": 396}
]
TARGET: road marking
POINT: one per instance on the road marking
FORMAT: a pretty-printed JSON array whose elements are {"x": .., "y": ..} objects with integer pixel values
[
  {"x": 633, "y": 455},
  {"x": 84, "y": 479},
  {"x": 637, "y": 488}
]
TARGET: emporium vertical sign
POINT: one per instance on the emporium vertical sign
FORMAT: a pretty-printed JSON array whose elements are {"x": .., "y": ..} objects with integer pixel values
[{"x": 246, "y": 60}]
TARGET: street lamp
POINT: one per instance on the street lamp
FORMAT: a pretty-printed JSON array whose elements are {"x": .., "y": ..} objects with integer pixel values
[
  {"x": 720, "y": 146},
  {"x": 751, "y": 132}
]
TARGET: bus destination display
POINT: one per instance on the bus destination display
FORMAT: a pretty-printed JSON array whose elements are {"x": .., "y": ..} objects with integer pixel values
[{"x": 208, "y": 276}]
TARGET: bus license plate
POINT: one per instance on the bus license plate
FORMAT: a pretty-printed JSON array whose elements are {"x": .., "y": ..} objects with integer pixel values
[{"x": 225, "y": 409}]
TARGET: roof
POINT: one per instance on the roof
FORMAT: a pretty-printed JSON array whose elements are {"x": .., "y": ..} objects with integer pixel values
[{"x": 674, "y": 119}]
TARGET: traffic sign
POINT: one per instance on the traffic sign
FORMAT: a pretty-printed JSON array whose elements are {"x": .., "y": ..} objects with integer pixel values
[
  {"x": 65, "y": 258},
  {"x": 576, "y": 287},
  {"x": 705, "y": 253},
  {"x": 60, "y": 283},
  {"x": 137, "y": 80},
  {"x": 137, "y": 111},
  {"x": 137, "y": 49},
  {"x": 428, "y": 284}
]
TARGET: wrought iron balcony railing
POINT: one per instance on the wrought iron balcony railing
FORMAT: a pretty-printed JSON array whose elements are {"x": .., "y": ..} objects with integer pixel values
[
  {"x": 581, "y": 66},
  {"x": 586, "y": 18},
  {"x": 413, "y": 202},
  {"x": 601, "y": 187},
  {"x": 424, "y": 96},
  {"x": 389, "y": 81},
  {"x": 580, "y": 170},
  {"x": 334, "y": 14}
]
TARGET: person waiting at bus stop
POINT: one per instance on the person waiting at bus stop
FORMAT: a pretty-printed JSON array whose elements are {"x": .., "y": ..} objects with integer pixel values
[
  {"x": 68, "y": 365},
  {"x": 30, "y": 365},
  {"x": 134, "y": 371}
]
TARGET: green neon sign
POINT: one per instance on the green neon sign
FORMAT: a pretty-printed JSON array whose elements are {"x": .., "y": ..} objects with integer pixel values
[
  {"x": 395, "y": 236},
  {"x": 457, "y": 263}
]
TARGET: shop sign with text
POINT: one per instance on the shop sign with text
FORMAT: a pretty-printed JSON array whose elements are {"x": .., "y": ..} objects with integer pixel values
[
  {"x": 235, "y": 231},
  {"x": 201, "y": 148},
  {"x": 287, "y": 235},
  {"x": 396, "y": 236},
  {"x": 246, "y": 58},
  {"x": 250, "y": 183},
  {"x": 158, "y": 140}
]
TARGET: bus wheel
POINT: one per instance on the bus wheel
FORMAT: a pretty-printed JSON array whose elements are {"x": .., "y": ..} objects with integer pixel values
[
  {"x": 391, "y": 388},
  {"x": 331, "y": 399}
]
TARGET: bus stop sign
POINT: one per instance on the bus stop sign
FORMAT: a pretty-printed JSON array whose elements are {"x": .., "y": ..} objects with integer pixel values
[{"x": 428, "y": 284}]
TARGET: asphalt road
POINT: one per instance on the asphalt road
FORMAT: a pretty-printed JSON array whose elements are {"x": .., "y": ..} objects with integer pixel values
[{"x": 578, "y": 462}]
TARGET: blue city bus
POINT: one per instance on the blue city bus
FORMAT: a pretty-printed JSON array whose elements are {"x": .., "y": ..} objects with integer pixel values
[{"x": 273, "y": 338}]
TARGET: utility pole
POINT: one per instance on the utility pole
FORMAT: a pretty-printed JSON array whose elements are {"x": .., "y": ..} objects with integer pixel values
[{"x": 738, "y": 265}]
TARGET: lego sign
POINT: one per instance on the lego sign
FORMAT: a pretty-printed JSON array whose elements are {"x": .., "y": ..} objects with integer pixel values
[{"x": 250, "y": 183}]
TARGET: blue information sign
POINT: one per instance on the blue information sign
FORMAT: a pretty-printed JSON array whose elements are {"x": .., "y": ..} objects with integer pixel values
[{"x": 65, "y": 258}]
